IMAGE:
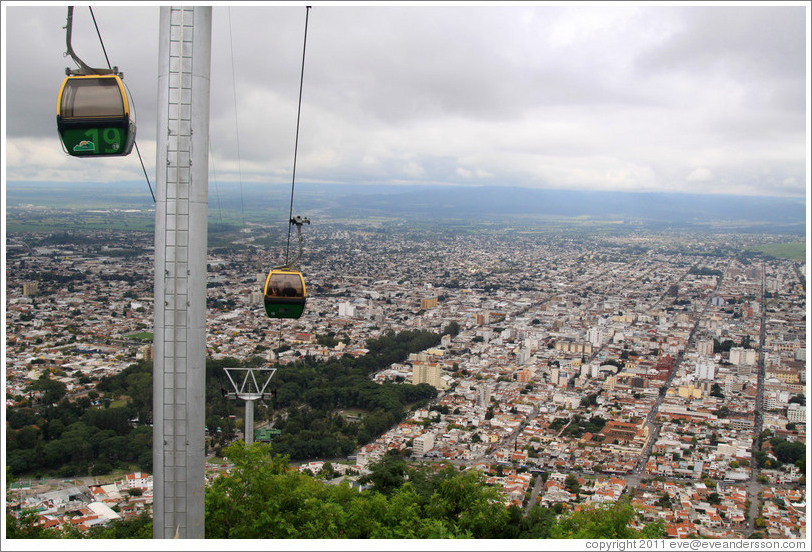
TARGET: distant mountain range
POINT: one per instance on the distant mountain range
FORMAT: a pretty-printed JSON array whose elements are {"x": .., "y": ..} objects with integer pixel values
[
  {"x": 673, "y": 208},
  {"x": 427, "y": 203}
]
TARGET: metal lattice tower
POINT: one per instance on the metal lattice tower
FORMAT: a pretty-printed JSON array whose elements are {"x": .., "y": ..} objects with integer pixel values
[{"x": 181, "y": 211}]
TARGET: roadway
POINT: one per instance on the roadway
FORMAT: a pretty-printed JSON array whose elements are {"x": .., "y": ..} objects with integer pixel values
[
  {"x": 753, "y": 486},
  {"x": 654, "y": 428}
]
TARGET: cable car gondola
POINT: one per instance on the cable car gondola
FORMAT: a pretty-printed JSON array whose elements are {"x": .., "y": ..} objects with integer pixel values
[
  {"x": 93, "y": 116},
  {"x": 285, "y": 294}
]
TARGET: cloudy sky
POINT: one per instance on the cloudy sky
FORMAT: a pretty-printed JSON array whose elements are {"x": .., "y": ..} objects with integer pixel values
[{"x": 605, "y": 96}]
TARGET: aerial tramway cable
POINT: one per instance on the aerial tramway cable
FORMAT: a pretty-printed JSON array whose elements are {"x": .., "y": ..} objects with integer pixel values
[
  {"x": 137, "y": 151},
  {"x": 98, "y": 33},
  {"x": 69, "y": 122},
  {"x": 285, "y": 293},
  {"x": 236, "y": 117},
  {"x": 296, "y": 142}
]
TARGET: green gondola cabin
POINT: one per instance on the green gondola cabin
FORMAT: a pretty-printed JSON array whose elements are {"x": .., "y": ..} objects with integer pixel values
[
  {"x": 93, "y": 116},
  {"x": 285, "y": 294}
]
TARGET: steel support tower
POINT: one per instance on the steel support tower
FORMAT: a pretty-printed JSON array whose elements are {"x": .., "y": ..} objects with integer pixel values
[
  {"x": 181, "y": 210},
  {"x": 250, "y": 389}
]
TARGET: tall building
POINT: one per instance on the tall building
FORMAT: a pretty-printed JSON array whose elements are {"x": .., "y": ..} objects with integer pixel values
[
  {"x": 705, "y": 347},
  {"x": 744, "y": 370},
  {"x": 796, "y": 413},
  {"x": 30, "y": 289},
  {"x": 732, "y": 383},
  {"x": 346, "y": 309},
  {"x": 597, "y": 335},
  {"x": 483, "y": 396},
  {"x": 423, "y": 372},
  {"x": 705, "y": 370},
  {"x": 255, "y": 297},
  {"x": 741, "y": 356},
  {"x": 429, "y": 303},
  {"x": 423, "y": 444},
  {"x": 583, "y": 347},
  {"x": 594, "y": 369},
  {"x": 524, "y": 375}
]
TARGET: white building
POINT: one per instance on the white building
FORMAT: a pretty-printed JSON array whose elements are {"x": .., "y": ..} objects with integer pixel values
[
  {"x": 741, "y": 356},
  {"x": 483, "y": 396},
  {"x": 796, "y": 413},
  {"x": 256, "y": 297},
  {"x": 423, "y": 444},
  {"x": 705, "y": 370},
  {"x": 136, "y": 479},
  {"x": 346, "y": 310},
  {"x": 103, "y": 511},
  {"x": 597, "y": 335},
  {"x": 705, "y": 347}
]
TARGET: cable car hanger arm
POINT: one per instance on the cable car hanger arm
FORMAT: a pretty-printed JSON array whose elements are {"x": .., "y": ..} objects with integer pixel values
[
  {"x": 298, "y": 221},
  {"x": 84, "y": 68}
]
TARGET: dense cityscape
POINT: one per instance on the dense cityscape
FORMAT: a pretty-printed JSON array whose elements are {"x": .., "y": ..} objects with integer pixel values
[{"x": 666, "y": 367}]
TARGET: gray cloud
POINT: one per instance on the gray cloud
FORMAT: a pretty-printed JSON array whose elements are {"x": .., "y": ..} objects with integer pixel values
[{"x": 626, "y": 97}]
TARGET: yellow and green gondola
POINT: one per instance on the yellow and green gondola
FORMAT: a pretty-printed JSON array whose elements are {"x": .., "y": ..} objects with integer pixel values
[
  {"x": 285, "y": 294},
  {"x": 93, "y": 116}
]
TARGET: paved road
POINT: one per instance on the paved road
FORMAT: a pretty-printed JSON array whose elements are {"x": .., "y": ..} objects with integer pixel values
[
  {"x": 654, "y": 428},
  {"x": 753, "y": 486},
  {"x": 534, "y": 494}
]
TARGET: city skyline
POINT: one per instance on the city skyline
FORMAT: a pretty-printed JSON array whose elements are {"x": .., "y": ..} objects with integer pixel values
[{"x": 596, "y": 358}]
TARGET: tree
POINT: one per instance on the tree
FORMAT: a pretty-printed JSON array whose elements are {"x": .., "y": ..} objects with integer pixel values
[
  {"x": 723, "y": 412},
  {"x": 22, "y": 527},
  {"x": 452, "y": 329},
  {"x": 605, "y": 522},
  {"x": 387, "y": 474},
  {"x": 135, "y": 528},
  {"x": 52, "y": 391},
  {"x": 262, "y": 497},
  {"x": 788, "y": 452},
  {"x": 589, "y": 400},
  {"x": 664, "y": 501},
  {"x": 465, "y": 503},
  {"x": 571, "y": 484},
  {"x": 139, "y": 387}
]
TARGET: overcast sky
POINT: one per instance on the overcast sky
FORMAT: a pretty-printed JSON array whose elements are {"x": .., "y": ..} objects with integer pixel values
[{"x": 626, "y": 97}]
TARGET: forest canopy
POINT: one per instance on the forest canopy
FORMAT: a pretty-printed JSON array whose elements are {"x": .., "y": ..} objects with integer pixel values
[{"x": 263, "y": 498}]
